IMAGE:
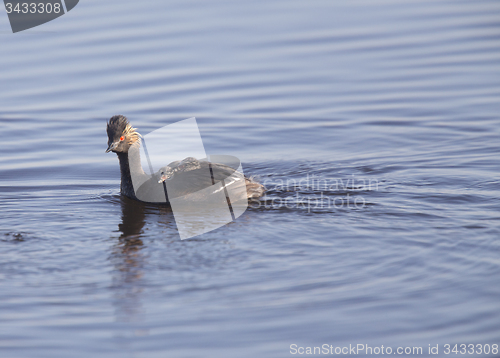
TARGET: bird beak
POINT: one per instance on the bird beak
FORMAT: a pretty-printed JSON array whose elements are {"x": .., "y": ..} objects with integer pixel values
[{"x": 111, "y": 147}]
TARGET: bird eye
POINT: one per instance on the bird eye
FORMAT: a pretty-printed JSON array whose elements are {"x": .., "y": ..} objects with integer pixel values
[{"x": 122, "y": 138}]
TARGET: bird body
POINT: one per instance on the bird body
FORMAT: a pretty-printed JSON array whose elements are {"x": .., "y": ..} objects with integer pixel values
[{"x": 187, "y": 178}]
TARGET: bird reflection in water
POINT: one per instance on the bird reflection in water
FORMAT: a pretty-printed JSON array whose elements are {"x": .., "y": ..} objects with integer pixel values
[{"x": 128, "y": 258}]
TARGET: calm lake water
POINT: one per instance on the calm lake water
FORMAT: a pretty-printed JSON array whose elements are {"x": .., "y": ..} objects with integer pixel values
[{"x": 374, "y": 125}]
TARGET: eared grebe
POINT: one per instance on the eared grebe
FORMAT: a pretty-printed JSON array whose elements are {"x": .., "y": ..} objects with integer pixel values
[{"x": 185, "y": 173}]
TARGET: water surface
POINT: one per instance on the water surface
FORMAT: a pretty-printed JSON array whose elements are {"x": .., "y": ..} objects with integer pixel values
[{"x": 374, "y": 126}]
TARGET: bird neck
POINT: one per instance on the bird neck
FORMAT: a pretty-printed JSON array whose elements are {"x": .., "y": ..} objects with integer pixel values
[{"x": 128, "y": 164}]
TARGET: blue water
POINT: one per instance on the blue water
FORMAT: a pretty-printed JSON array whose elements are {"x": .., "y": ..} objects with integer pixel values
[{"x": 374, "y": 125}]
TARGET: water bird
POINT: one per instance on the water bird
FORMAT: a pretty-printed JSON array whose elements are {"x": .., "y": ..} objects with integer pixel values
[{"x": 187, "y": 174}]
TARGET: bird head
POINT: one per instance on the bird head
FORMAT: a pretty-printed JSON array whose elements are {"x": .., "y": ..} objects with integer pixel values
[
  {"x": 166, "y": 173},
  {"x": 121, "y": 135}
]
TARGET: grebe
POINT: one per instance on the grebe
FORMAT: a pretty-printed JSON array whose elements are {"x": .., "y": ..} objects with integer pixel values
[{"x": 187, "y": 174}]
